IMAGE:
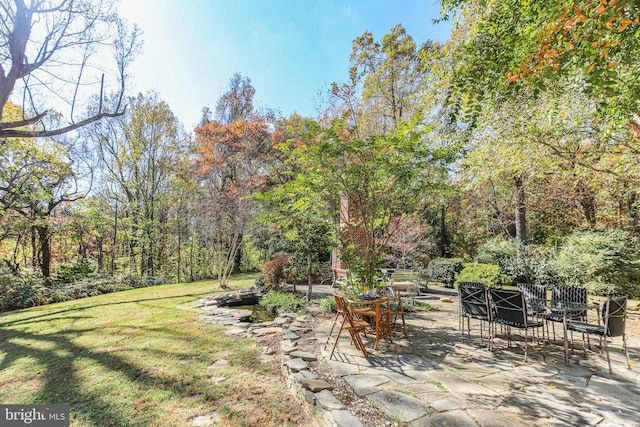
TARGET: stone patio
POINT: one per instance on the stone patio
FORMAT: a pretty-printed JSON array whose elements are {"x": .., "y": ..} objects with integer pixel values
[{"x": 432, "y": 378}]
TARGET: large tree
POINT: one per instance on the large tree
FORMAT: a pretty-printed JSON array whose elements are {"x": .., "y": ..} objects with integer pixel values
[
  {"x": 513, "y": 44},
  {"x": 55, "y": 49},
  {"x": 230, "y": 168}
]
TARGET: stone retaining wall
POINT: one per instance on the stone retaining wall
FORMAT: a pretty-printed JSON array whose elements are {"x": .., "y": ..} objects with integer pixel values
[{"x": 314, "y": 394}]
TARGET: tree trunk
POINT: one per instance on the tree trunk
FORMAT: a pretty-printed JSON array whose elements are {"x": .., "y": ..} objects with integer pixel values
[
  {"x": 521, "y": 214},
  {"x": 100, "y": 255},
  {"x": 587, "y": 201},
  {"x": 44, "y": 240}
]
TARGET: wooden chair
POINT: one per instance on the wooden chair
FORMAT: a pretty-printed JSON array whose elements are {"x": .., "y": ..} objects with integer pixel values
[
  {"x": 396, "y": 308},
  {"x": 379, "y": 311},
  {"x": 346, "y": 321}
]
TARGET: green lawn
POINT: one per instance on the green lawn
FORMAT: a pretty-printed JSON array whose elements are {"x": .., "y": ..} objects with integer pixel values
[{"x": 138, "y": 358}]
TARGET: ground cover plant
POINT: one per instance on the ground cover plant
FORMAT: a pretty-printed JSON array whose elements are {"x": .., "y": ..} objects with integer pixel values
[{"x": 138, "y": 358}]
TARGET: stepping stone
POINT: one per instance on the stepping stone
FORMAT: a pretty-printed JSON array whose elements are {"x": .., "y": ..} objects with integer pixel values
[
  {"x": 290, "y": 335},
  {"x": 401, "y": 406},
  {"x": 365, "y": 384},
  {"x": 281, "y": 321},
  {"x": 296, "y": 364},
  {"x": 267, "y": 331},
  {"x": 316, "y": 385},
  {"x": 218, "y": 380},
  {"x": 219, "y": 364},
  {"x": 327, "y": 400},
  {"x": 287, "y": 346},
  {"x": 343, "y": 418},
  {"x": 305, "y": 374},
  {"x": 448, "y": 404},
  {"x": 205, "y": 420},
  {"x": 304, "y": 355}
]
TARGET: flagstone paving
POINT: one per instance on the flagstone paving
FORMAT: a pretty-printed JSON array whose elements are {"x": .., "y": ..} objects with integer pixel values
[{"x": 432, "y": 378}]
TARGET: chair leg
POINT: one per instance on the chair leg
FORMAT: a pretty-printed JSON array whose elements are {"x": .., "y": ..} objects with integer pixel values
[
  {"x": 331, "y": 331},
  {"x": 526, "y": 344},
  {"x": 626, "y": 349},
  {"x": 606, "y": 348},
  {"x": 335, "y": 344}
]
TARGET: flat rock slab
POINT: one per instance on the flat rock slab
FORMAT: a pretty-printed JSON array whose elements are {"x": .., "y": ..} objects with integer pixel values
[
  {"x": 266, "y": 331},
  {"x": 304, "y": 355},
  {"x": 365, "y": 384},
  {"x": 399, "y": 405},
  {"x": 449, "y": 403},
  {"x": 205, "y": 420},
  {"x": 453, "y": 419},
  {"x": 288, "y": 346},
  {"x": 316, "y": 385},
  {"x": 326, "y": 399},
  {"x": 343, "y": 418},
  {"x": 296, "y": 364},
  {"x": 219, "y": 364}
]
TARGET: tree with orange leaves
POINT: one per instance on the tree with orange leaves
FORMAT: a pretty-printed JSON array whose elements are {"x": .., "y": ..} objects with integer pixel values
[{"x": 231, "y": 166}]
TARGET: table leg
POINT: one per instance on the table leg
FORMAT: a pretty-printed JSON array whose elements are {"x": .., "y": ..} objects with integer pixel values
[{"x": 566, "y": 340}]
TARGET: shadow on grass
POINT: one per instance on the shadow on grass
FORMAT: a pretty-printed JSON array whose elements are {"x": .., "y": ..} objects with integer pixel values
[{"x": 63, "y": 384}]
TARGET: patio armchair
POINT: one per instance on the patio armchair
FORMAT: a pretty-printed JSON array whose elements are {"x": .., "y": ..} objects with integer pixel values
[
  {"x": 396, "y": 308},
  {"x": 510, "y": 310},
  {"x": 566, "y": 294},
  {"x": 346, "y": 321},
  {"x": 474, "y": 304},
  {"x": 614, "y": 319},
  {"x": 533, "y": 292}
]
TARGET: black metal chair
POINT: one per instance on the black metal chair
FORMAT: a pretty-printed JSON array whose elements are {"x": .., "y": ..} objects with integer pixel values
[
  {"x": 566, "y": 294},
  {"x": 614, "y": 317},
  {"x": 510, "y": 310},
  {"x": 533, "y": 292},
  {"x": 474, "y": 304}
]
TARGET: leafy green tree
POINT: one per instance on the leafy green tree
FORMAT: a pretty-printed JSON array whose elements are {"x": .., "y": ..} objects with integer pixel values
[
  {"x": 514, "y": 44},
  {"x": 391, "y": 72},
  {"x": 605, "y": 262},
  {"x": 140, "y": 153}
]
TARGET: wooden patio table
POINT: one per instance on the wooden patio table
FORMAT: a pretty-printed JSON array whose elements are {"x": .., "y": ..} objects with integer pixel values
[{"x": 376, "y": 308}]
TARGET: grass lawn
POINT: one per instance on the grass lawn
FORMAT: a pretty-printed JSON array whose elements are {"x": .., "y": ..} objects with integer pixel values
[{"x": 139, "y": 358}]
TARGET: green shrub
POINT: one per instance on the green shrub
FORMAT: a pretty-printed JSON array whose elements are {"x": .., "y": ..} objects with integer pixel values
[
  {"x": 20, "y": 291},
  {"x": 605, "y": 262},
  {"x": 445, "y": 270},
  {"x": 489, "y": 274},
  {"x": 24, "y": 290},
  {"x": 411, "y": 305},
  {"x": 73, "y": 273},
  {"x": 328, "y": 305},
  {"x": 282, "y": 302},
  {"x": 520, "y": 263}
]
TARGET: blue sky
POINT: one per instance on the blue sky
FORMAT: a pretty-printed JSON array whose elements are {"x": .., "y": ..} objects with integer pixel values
[{"x": 290, "y": 49}]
